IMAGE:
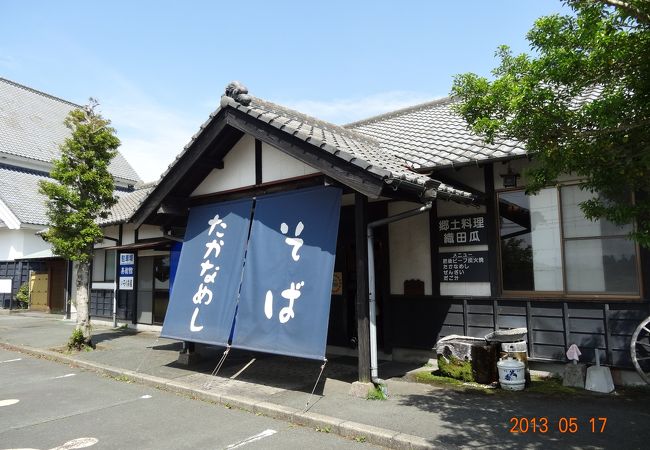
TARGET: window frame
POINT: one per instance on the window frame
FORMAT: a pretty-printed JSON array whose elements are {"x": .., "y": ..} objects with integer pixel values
[
  {"x": 106, "y": 253},
  {"x": 564, "y": 293}
]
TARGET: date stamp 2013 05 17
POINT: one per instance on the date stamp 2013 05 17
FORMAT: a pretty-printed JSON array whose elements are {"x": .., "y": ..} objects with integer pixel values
[{"x": 562, "y": 424}]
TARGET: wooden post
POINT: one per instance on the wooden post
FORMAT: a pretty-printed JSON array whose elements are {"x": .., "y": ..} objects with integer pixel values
[
  {"x": 492, "y": 229},
  {"x": 361, "y": 245}
]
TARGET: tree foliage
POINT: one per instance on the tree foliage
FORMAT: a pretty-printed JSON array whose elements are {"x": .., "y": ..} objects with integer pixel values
[
  {"x": 84, "y": 188},
  {"x": 580, "y": 103}
]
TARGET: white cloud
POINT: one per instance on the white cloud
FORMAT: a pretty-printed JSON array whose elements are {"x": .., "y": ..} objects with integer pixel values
[
  {"x": 152, "y": 135},
  {"x": 345, "y": 110},
  {"x": 8, "y": 62}
]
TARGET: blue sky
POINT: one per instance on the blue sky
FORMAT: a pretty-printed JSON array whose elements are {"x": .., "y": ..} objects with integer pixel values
[{"x": 159, "y": 67}]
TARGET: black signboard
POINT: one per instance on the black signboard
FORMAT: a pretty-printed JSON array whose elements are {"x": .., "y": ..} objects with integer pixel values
[
  {"x": 462, "y": 230},
  {"x": 463, "y": 266}
]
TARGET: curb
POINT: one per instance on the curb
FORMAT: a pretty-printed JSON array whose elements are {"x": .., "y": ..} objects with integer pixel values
[{"x": 344, "y": 428}]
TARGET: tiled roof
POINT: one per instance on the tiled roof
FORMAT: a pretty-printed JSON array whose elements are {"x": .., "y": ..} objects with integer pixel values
[
  {"x": 355, "y": 148},
  {"x": 432, "y": 135},
  {"x": 31, "y": 126},
  {"x": 349, "y": 145},
  {"x": 19, "y": 191},
  {"x": 126, "y": 205}
]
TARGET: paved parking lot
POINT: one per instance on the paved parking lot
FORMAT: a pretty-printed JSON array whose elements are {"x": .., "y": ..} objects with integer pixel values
[{"x": 47, "y": 405}]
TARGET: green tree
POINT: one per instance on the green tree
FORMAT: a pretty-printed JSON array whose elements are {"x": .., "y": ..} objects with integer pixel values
[
  {"x": 580, "y": 103},
  {"x": 82, "y": 194}
]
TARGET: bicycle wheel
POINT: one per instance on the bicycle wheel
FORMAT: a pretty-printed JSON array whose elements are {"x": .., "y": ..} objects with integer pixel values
[{"x": 640, "y": 349}]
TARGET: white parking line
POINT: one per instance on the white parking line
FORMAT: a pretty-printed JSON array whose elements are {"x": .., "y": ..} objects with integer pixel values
[
  {"x": 11, "y": 360},
  {"x": 65, "y": 376},
  {"x": 77, "y": 443},
  {"x": 257, "y": 437},
  {"x": 9, "y": 402}
]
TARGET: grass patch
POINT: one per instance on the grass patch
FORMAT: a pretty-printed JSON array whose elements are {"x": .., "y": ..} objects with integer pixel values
[
  {"x": 550, "y": 385},
  {"x": 377, "y": 393},
  {"x": 436, "y": 378},
  {"x": 123, "y": 378},
  {"x": 455, "y": 368}
]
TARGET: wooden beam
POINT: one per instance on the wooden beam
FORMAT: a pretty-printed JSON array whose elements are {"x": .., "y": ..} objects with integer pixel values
[
  {"x": 433, "y": 248},
  {"x": 329, "y": 164},
  {"x": 258, "y": 162},
  {"x": 363, "y": 323}
]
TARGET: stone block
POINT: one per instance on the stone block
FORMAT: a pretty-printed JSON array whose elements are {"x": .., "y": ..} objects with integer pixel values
[
  {"x": 360, "y": 390},
  {"x": 574, "y": 375}
]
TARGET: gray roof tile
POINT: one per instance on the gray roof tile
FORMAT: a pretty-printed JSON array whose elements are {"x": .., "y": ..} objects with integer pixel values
[
  {"x": 365, "y": 152},
  {"x": 126, "y": 205},
  {"x": 31, "y": 126},
  {"x": 432, "y": 135}
]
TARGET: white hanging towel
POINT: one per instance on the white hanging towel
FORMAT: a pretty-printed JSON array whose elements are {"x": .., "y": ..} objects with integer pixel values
[{"x": 573, "y": 354}]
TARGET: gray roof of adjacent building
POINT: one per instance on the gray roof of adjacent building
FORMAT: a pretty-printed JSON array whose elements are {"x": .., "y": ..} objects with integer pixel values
[
  {"x": 31, "y": 127},
  {"x": 19, "y": 191},
  {"x": 127, "y": 203},
  {"x": 431, "y": 136}
]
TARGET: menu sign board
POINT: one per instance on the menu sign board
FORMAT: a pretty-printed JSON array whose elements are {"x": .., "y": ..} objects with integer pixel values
[
  {"x": 463, "y": 266},
  {"x": 127, "y": 271},
  {"x": 462, "y": 230}
]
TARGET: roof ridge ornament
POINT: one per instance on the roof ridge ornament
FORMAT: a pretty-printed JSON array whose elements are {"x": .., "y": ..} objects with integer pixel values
[{"x": 238, "y": 92}]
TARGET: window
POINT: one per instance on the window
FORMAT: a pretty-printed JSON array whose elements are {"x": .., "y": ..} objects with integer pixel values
[
  {"x": 547, "y": 245},
  {"x": 104, "y": 265},
  {"x": 109, "y": 267}
]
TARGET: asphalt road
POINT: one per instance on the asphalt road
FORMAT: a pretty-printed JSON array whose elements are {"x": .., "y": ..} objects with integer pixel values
[{"x": 47, "y": 405}]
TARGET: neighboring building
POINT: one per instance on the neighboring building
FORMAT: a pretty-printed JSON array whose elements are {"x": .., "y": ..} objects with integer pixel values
[
  {"x": 486, "y": 256},
  {"x": 31, "y": 130}
]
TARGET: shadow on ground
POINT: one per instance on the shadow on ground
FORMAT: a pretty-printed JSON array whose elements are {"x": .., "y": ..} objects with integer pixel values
[
  {"x": 283, "y": 372},
  {"x": 483, "y": 419}
]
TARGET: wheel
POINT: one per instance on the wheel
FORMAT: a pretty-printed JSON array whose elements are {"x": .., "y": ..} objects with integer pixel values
[{"x": 640, "y": 349}]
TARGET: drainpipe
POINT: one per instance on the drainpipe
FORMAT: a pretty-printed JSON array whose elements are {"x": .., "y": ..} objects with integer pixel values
[{"x": 372, "y": 303}]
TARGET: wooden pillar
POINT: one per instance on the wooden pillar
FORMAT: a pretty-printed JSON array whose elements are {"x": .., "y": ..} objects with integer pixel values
[
  {"x": 361, "y": 245},
  {"x": 492, "y": 230}
]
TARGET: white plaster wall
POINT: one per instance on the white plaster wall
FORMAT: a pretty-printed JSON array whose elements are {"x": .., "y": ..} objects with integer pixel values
[
  {"x": 11, "y": 244},
  {"x": 465, "y": 289},
  {"x": 128, "y": 234},
  {"x": 277, "y": 165},
  {"x": 18, "y": 243},
  {"x": 33, "y": 243},
  {"x": 238, "y": 171},
  {"x": 409, "y": 249},
  {"x": 99, "y": 262},
  {"x": 112, "y": 231},
  {"x": 149, "y": 232}
]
